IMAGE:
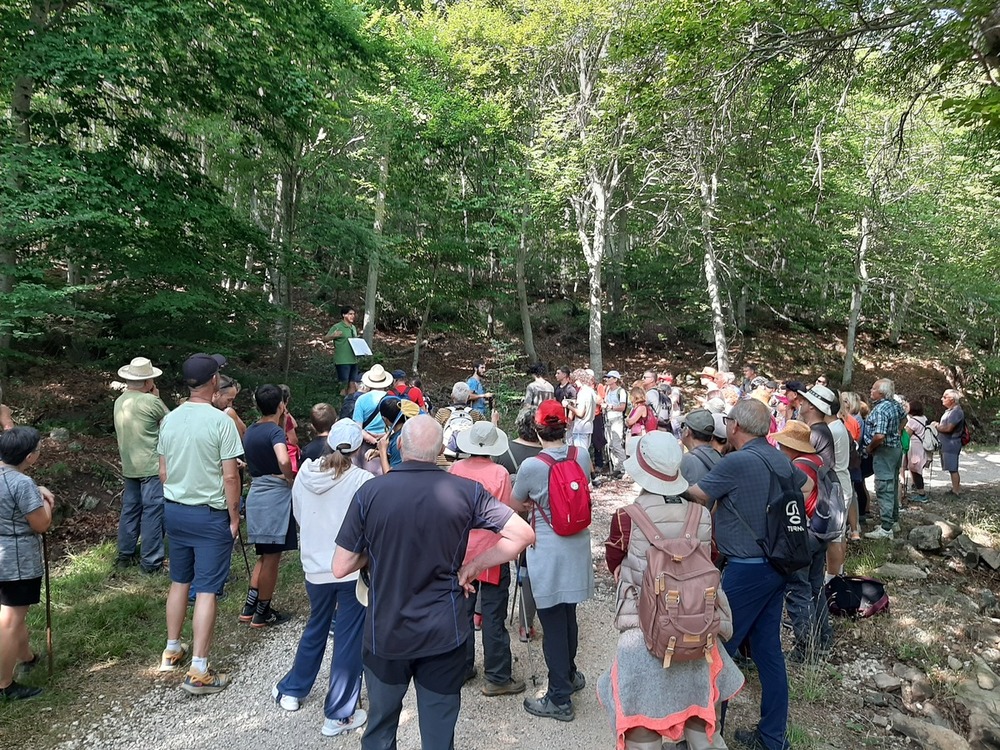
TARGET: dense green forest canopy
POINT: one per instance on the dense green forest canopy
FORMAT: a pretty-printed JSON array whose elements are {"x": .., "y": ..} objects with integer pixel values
[{"x": 176, "y": 176}]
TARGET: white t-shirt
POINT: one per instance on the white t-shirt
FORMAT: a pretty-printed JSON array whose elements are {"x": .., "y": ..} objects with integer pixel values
[
  {"x": 586, "y": 399},
  {"x": 841, "y": 456}
]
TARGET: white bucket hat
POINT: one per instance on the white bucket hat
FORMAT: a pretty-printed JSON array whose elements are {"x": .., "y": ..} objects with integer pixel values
[
  {"x": 822, "y": 398},
  {"x": 482, "y": 439},
  {"x": 377, "y": 378},
  {"x": 139, "y": 368},
  {"x": 655, "y": 464}
]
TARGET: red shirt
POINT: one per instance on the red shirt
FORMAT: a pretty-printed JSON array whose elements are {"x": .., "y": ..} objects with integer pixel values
[
  {"x": 495, "y": 480},
  {"x": 809, "y": 463},
  {"x": 413, "y": 393}
]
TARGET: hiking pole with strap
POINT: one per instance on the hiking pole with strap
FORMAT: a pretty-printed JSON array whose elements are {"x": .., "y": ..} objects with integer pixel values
[{"x": 48, "y": 606}]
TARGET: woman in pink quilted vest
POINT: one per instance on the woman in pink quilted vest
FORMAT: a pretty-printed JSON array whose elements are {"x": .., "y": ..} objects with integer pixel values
[{"x": 649, "y": 704}]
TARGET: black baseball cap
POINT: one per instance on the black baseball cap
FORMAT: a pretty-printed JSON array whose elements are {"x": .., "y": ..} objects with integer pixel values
[{"x": 199, "y": 368}]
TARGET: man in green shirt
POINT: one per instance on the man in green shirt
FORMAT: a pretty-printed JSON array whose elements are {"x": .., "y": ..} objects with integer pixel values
[
  {"x": 344, "y": 357},
  {"x": 138, "y": 412}
]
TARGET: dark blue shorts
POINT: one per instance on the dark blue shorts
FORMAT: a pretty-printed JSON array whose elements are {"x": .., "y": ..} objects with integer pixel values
[
  {"x": 347, "y": 373},
  {"x": 201, "y": 546}
]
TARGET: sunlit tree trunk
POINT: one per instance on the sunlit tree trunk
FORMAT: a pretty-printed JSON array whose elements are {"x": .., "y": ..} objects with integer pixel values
[
  {"x": 709, "y": 192},
  {"x": 371, "y": 289},
  {"x": 857, "y": 298}
]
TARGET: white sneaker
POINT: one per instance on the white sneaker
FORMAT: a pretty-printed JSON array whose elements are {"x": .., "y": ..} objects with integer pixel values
[
  {"x": 335, "y": 727},
  {"x": 880, "y": 533},
  {"x": 287, "y": 702}
]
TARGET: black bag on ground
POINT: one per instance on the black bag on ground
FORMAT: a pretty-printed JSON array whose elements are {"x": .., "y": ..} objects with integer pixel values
[{"x": 856, "y": 596}]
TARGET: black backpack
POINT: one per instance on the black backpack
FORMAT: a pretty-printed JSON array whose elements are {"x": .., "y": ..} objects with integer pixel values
[{"x": 786, "y": 532}]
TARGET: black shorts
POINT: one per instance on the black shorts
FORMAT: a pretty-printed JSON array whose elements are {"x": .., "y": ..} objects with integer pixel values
[
  {"x": 290, "y": 544},
  {"x": 21, "y": 593}
]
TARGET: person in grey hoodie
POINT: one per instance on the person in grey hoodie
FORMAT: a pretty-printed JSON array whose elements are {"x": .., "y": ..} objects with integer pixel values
[{"x": 321, "y": 495}]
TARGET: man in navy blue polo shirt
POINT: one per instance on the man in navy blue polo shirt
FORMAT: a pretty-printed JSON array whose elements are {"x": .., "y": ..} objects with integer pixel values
[
  {"x": 410, "y": 528},
  {"x": 746, "y": 479}
]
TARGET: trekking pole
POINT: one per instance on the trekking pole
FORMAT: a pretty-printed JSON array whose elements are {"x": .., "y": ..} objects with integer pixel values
[
  {"x": 243, "y": 546},
  {"x": 527, "y": 643},
  {"x": 48, "y": 606},
  {"x": 517, "y": 585}
]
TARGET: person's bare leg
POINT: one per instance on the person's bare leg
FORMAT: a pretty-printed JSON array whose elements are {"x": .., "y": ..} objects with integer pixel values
[
  {"x": 956, "y": 483},
  {"x": 836, "y": 552},
  {"x": 13, "y": 642},
  {"x": 255, "y": 575},
  {"x": 267, "y": 577},
  {"x": 177, "y": 601},
  {"x": 203, "y": 624}
]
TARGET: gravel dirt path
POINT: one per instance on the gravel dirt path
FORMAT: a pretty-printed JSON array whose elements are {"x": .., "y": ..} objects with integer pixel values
[{"x": 245, "y": 717}]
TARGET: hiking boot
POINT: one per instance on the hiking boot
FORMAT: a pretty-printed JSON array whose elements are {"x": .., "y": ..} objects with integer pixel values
[
  {"x": 919, "y": 499},
  {"x": 545, "y": 708},
  {"x": 248, "y": 612},
  {"x": 511, "y": 687},
  {"x": 160, "y": 570},
  {"x": 172, "y": 660},
  {"x": 579, "y": 682},
  {"x": 880, "y": 533},
  {"x": 287, "y": 702},
  {"x": 753, "y": 740},
  {"x": 17, "y": 692},
  {"x": 269, "y": 619},
  {"x": 204, "y": 683},
  {"x": 126, "y": 561},
  {"x": 336, "y": 727}
]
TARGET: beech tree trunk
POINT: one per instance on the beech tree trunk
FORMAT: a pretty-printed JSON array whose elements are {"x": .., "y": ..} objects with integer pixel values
[
  {"x": 857, "y": 297},
  {"x": 371, "y": 289},
  {"x": 709, "y": 193},
  {"x": 522, "y": 288}
]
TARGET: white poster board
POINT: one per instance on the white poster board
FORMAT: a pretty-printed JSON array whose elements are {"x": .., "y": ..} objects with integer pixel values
[{"x": 360, "y": 347}]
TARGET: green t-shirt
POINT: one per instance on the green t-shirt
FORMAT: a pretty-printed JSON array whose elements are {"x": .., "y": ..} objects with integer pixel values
[
  {"x": 137, "y": 425},
  {"x": 343, "y": 354},
  {"x": 195, "y": 439}
]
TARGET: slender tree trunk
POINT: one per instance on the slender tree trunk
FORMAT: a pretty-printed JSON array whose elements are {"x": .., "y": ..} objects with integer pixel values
[
  {"x": 709, "y": 192},
  {"x": 371, "y": 289},
  {"x": 424, "y": 319},
  {"x": 522, "y": 287},
  {"x": 897, "y": 316},
  {"x": 594, "y": 243},
  {"x": 857, "y": 297}
]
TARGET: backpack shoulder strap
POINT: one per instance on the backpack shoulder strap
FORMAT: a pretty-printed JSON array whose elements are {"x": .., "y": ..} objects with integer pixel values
[
  {"x": 546, "y": 459},
  {"x": 638, "y": 514},
  {"x": 571, "y": 453},
  {"x": 692, "y": 521}
]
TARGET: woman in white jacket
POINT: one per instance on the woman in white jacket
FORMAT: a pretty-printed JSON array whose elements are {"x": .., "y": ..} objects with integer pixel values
[{"x": 321, "y": 495}]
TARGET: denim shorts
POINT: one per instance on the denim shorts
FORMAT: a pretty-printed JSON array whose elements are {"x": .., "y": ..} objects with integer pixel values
[
  {"x": 347, "y": 373},
  {"x": 201, "y": 546}
]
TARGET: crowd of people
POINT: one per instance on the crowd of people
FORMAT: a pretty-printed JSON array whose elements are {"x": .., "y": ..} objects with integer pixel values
[{"x": 403, "y": 586}]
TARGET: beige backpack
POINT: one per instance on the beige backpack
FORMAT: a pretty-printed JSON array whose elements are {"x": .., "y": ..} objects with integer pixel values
[{"x": 679, "y": 601}]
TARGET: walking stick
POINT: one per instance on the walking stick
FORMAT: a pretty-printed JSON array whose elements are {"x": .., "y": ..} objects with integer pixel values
[
  {"x": 243, "y": 546},
  {"x": 48, "y": 605},
  {"x": 517, "y": 585}
]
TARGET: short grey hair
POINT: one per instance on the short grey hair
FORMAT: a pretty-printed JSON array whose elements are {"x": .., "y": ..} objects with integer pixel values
[
  {"x": 421, "y": 439},
  {"x": 460, "y": 392},
  {"x": 886, "y": 387},
  {"x": 752, "y": 416},
  {"x": 951, "y": 393}
]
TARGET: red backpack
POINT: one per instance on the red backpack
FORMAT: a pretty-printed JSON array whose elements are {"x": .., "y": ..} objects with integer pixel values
[{"x": 569, "y": 494}]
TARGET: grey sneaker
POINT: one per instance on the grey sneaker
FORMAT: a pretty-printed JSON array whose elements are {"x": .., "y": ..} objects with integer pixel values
[
  {"x": 336, "y": 727},
  {"x": 880, "y": 533},
  {"x": 548, "y": 710},
  {"x": 579, "y": 681}
]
